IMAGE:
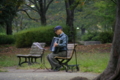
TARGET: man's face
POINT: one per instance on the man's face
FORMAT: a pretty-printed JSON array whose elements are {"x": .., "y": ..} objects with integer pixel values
[{"x": 58, "y": 32}]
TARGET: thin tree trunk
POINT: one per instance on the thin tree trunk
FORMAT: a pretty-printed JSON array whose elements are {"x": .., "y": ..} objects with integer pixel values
[
  {"x": 112, "y": 71},
  {"x": 9, "y": 27},
  {"x": 82, "y": 30}
]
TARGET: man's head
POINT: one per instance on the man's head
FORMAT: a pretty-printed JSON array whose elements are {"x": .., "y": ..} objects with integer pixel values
[{"x": 58, "y": 30}]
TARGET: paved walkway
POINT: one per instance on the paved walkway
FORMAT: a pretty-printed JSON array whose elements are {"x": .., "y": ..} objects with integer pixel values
[{"x": 14, "y": 74}]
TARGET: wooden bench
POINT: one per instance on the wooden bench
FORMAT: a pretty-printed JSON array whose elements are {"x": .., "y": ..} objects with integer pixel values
[
  {"x": 63, "y": 61},
  {"x": 37, "y": 51}
]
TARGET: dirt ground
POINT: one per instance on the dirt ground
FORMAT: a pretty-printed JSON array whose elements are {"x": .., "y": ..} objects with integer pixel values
[{"x": 43, "y": 74}]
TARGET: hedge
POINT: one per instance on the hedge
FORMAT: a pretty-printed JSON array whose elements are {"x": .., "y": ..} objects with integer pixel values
[
  {"x": 6, "y": 39},
  {"x": 94, "y": 36},
  {"x": 42, "y": 34},
  {"x": 104, "y": 37}
]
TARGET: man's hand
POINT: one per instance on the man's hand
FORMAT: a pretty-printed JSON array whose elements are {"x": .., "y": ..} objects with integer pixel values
[{"x": 55, "y": 44}]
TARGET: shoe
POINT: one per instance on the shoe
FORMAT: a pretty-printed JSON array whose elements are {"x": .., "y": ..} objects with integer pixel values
[
  {"x": 52, "y": 68},
  {"x": 57, "y": 68}
]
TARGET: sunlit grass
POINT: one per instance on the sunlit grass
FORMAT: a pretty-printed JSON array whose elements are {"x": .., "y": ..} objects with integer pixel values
[{"x": 89, "y": 62}]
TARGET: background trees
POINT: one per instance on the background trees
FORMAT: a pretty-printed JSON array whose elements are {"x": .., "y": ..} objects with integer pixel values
[
  {"x": 89, "y": 16},
  {"x": 41, "y": 7},
  {"x": 8, "y": 12}
]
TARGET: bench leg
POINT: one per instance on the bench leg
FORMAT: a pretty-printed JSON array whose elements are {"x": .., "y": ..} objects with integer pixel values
[
  {"x": 77, "y": 67},
  {"x": 19, "y": 61},
  {"x": 29, "y": 63},
  {"x": 35, "y": 60},
  {"x": 27, "y": 60}
]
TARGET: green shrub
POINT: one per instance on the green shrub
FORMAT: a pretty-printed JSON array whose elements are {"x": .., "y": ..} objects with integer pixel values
[
  {"x": 7, "y": 39},
  {"x": 106, "y": 37},
  {"x": 90, "y": 37},
  {"x": 42, "y": 34}
]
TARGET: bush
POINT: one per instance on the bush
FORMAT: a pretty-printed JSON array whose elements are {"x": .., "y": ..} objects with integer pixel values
[
  {"x": 90, "y": 37},
  {"x": 42, "y": 34},
  {"x": 106, "y": 37},
  {"x": 7, "y": 39}
]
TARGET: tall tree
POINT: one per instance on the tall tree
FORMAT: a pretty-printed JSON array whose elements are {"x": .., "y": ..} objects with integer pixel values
[
  {"x": 70, "y": 7},
  {"x": 41, "y": 7},
  {"x": 112, "y": 72},
  {"x": 8, "y": 12}
]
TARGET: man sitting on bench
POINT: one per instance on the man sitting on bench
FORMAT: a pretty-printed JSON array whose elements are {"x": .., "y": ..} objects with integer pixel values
[{"x": 62, "y": 49}]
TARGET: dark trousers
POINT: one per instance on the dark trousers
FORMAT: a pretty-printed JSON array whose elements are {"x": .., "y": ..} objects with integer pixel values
[{"x": 53, "y": 62}]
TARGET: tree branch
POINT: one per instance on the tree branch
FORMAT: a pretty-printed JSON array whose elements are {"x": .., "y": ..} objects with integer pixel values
[
  {"x": 44, "y": 5},
  {"x": 35, "y": 3},
  {"x": 31, "y": 8},
  {"x": 75, "y": 4},
  {"x": 29, "y": 15},
  {"x": 32, "y": 1},
  {"x": 41, "y": 7},
  {"x": 48, "y": 5},
  {"x": 113, "y": 1}
]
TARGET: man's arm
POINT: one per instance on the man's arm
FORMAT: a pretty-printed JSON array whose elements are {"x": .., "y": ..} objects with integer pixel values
[{"x": 64, "y": 42}]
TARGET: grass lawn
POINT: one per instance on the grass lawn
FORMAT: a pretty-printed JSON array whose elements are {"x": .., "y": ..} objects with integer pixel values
[{"x": 89, "y": 62}]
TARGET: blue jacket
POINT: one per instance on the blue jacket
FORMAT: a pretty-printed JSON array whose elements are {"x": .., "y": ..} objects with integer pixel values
[{"x": 64, "y": 41}]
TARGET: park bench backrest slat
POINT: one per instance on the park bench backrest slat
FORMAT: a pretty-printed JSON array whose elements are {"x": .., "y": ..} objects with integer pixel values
[
  {"x": 35, "y": 50},
  {"x": 70, "y": 50}
]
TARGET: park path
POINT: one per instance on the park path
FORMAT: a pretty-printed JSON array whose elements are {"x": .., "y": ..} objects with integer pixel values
[{"x": 18, "y": 74}]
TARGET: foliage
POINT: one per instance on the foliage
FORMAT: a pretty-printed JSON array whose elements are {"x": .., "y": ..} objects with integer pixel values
[
  {"x": 105, "y": 11},
  {"x": 106, "y": 37},
  {"x": 7, "y": 39},
  {"x": 2, "y": 30},
  {"x": 42, "y": 34},
  {"x": 95, "y": 15},
  {"x": 94, "y": 36},
  {"x": 8, "y": 10}
]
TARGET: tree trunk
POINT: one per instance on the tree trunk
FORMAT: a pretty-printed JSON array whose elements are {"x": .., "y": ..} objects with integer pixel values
[
  {"x": 112, "y": 71},
  {"x": 70, "y": 19},
  {"x": 43, "y": 19},
  {"x": 70, "y": 15},
  {"x": 9, "y": 27},
  {"x": 82, "y": 30}
]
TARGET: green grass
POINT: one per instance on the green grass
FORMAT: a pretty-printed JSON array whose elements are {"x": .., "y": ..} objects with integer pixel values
[
  {"x": 92, "y": 62},
  {"x": 8, "y": 61},
  {"x": 89, "y": 62}
]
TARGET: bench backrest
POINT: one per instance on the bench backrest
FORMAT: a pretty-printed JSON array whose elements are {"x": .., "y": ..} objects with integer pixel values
[
  {"x": 70, "y": 50},
  {"x": 35, "y": 48}
]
